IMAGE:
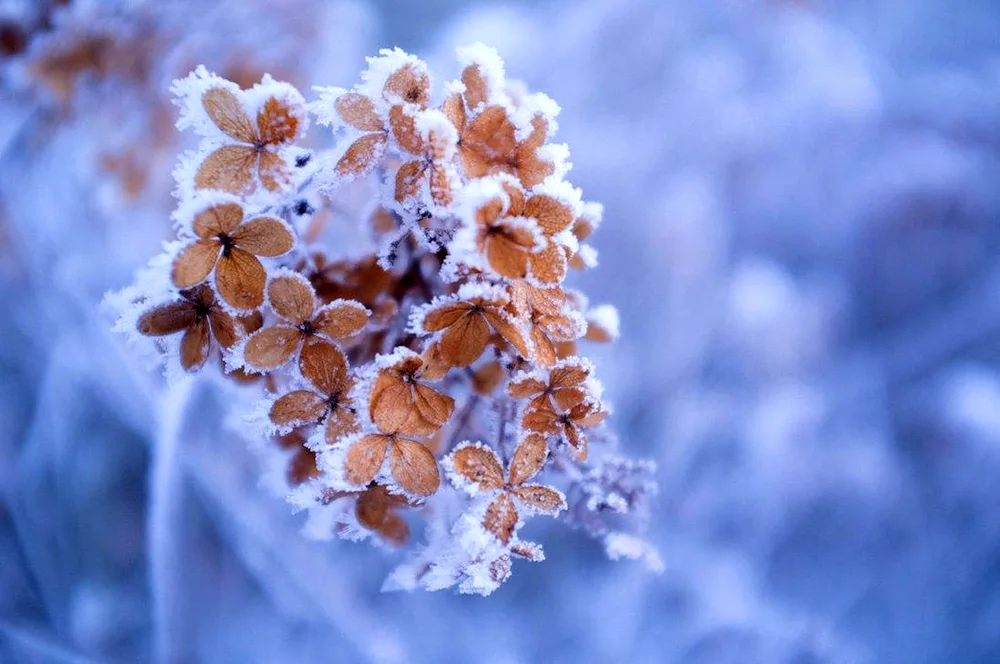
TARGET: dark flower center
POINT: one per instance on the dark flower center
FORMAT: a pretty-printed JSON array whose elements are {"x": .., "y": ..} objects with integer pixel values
[{"x": 227, "y": 244}]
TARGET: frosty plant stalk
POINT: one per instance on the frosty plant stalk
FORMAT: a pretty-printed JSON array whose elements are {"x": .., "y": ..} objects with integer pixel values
[{"x": 389, "y": 314}]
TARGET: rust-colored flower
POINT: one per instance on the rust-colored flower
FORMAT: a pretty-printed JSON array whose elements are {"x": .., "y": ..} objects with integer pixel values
[
  {"x": 200, "y": 317},
  {"x": 477, "y": 467},
  {"x": 488, "y": 143},
  {"x": 377, "y": 510},
  {"x": 431, "y": 170},
  {"x": 550, "y": 321},
  {"x": 399, "y": 402},
  {"x": 465, "y": 320},
  {"x": 328, "y": 401},
  {"x": 567, "y": 424},
  {"x": 564, "y": 387},
  {"x": 411, "y": 464},
  {"x": 255, "y": 158},
  {"x": 293, "y": 300},
  {"x": 229, "y": 244}
]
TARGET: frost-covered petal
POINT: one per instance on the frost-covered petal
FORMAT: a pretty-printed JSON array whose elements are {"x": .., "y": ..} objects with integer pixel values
[
  {"x": 552, "y": 215},
  {"x": 432, "y": 405},
  {"x": 501, "y": 518},
  {"x": 278, "y": 122},
  {"x": 464, "y": 341},
  {"x": 230, "y": 168},
  {"x": 217, "y": 220},
  {"x": 479, "y": 465},
  {"x": 225, "y": 109},
  {"x": 509, "y": 330},
  {"x": 292, "y": 297},
  {"x": 264, "y": 236},
  {"x": 361, "y": 156},
  {"x": 194, "y": 263},
  {"x": 297, "y": 408},
  {"x": 528, "y": 458},
  {"x": 224, "y": 327},
  {"x": 341, "y": 319},
  {"x": 195, "y": 345},
  {"x": 271, "y": 347},
  {"x": 323, "y": 365},
  {"x": 410, "y": 84},
  {"x": 240, "y": 279},
  {"x": 413, "y": 466},
  {"x": 541, "y": 498},
  {"x": 364, "y": 458},
  {"x": 167, "y": 319},
  {"x": 358, "y": 111}
]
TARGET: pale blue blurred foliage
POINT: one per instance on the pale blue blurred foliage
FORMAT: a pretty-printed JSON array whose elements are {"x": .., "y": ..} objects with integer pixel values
[{"x": 801, "y": 233}]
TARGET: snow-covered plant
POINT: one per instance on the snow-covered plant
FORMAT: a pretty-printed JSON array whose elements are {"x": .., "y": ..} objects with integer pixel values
[{"x": 390, "y": 313}]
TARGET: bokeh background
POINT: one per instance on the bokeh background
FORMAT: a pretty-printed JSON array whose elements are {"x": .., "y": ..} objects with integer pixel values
[{"x": 801, "y": 233}]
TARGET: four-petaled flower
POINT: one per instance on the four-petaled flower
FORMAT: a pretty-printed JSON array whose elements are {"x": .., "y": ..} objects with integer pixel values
[
  {"x": 411, "y": 463},
  {"x": 201, "y": 318},
  {"x": 230, "y": 245},
  {"x": 293, "y": 300},
  {"x": 328, "y": 401},
  {"x": 551, "y": 322},
  {"x": 255, "y": 159},
  {"x": 399, "y": 402},
  {"x": 476, "y": 468},
  {"x": 567, "y": 424},
  {"x": 564, "y": 387}
]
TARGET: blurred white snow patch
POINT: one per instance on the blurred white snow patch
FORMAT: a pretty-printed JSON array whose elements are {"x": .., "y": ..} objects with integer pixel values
[
  {"x": 972, "y": 401},
  {"x": 623, "y": 545}
]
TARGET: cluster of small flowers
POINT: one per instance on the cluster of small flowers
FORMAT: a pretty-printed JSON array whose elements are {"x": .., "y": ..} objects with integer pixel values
[{"x": 450, "y": 346}]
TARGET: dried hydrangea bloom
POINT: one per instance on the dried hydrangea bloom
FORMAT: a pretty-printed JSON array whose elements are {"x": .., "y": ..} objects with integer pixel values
[
  {"x": 399, "y": 402},
  {"x": 477, "y": 465},
  {"x": 411, "y": 464},
  {"x": 376, "y": 510},
  {"x": 431, "y": 171},
  {"x": 200, "y": 317},
  {"x": 328, "y": 400},
  {"x": 562, "y": 388},
  {"x": 301, "y": 322},
  {"x": 229, "y": 244},
  {"x": 464, "y": 323},
  {"x": 488, "y": 144},
  {"x": 550, "y": 320},
  {"x": 254, "y": 159},
  {"x": 567, "y": 424},
  {"x": 358, "y": 111}
]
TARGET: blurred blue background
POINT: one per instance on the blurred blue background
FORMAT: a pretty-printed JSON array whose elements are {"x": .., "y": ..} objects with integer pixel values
[{"x": 801, "y": 233}]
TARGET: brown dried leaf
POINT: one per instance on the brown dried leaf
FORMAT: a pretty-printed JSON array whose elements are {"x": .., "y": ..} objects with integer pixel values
[
  {"x": 240, "y": 279},
  {"x": 292, "y": 298},
  {"x": 218, "y": 220},
  {"x": 225, "y": 109},
  {"x": 358, "y": 111},
  {"x": 167, "y": 319},
  {"x": 194, "y": 263},
  {"x": 297, "y": 408},
  {"x": 528, "y": 458},
  {"x": 478, "y": 465},
  {"x": 271, "y": 347},
  {"x": 195, "y": 345},
  {"x": 364, "y": 458},
  {"x": 414, "y": 467},
  {"x": 230, "y": 168},
  {"x": 360, "y": 158},
  {"x": 501, "y": 518},
  {"x": 323, "y": 365}
]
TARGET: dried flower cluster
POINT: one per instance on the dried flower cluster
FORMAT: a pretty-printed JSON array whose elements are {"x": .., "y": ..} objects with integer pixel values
[{"x": 392, "y": 312}]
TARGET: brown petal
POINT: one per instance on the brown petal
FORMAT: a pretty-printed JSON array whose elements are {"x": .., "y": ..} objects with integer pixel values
[
  {"x": 542, "y": 421},
  {"x": 454, "y": 109},
  {"x": 224, "y": 327},
  {"x": 364, "y": 459},
  {"x": 549, "y": 265},
  {"x": 542, "y": 498},
  {"x": 194, "y": 263},
  {"x": 302, "y": 467},
  {"x": 394, "y": 529},
  {"x": 404, "y": 130},
  {"x": 358, "y": 111},
  {"x": 553, "y": 216},
  {"x": 491, "y": 134},
  {"x": 501, "y": 518},
  {"x": 360, "y": 158},
  {"x": 568, "y": 374},
  {"x": 323, "y": 365},
  {"x": 195, "y": 345},
  {"x": 292, "y": 298},
  {"x": 390, "y": 403},
  {"x": 507, "y": 252},
  {"x": 525, "y": 387},
  {"x": 476, "y": 88},
  {"x": 569, "y": 397},
  {"x": 474, "y": 163},
  {"x": 340, "y": 422},
  {"x": 489, "y": 212},
  {"x": 271, "y": 347},
  {"x": 435, "y": 366},
  {"x": 264, "y": 236},
  {"x": 251, "y": 322},
  {"x": 298, "y": 408},
  {"x": 410, "y": 84},
  {"x": 226, "y": 111},
  {"x": 409, "y": 179},
  {"x": 218, "y": 220},
  {"x": 277, "y": 122},
  {"x": 432, "y": 405},
  {"x": 240, "y": 279},
  {"x": 545, "y": 352},
  {"x": 341, "y": 319},
  {"x": 478, "y": 465},
  {"x": 531, "y": 170},
  {"x": 442, "y": 190},
  {"x": 414, "y": 467},
  {"x": 487, "y": 378},
  {"x": 230, "y": 168},
  {"x": 465, "y": 341},
  {"x": 444, "y": 315},
  {"x": 507, "y": 329},
  {"x": 167, "y": 319},
  {"x": 416, "y": 425},
  {"x": 273, "y": 171},
  {"x": 528, "y": 458}
]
